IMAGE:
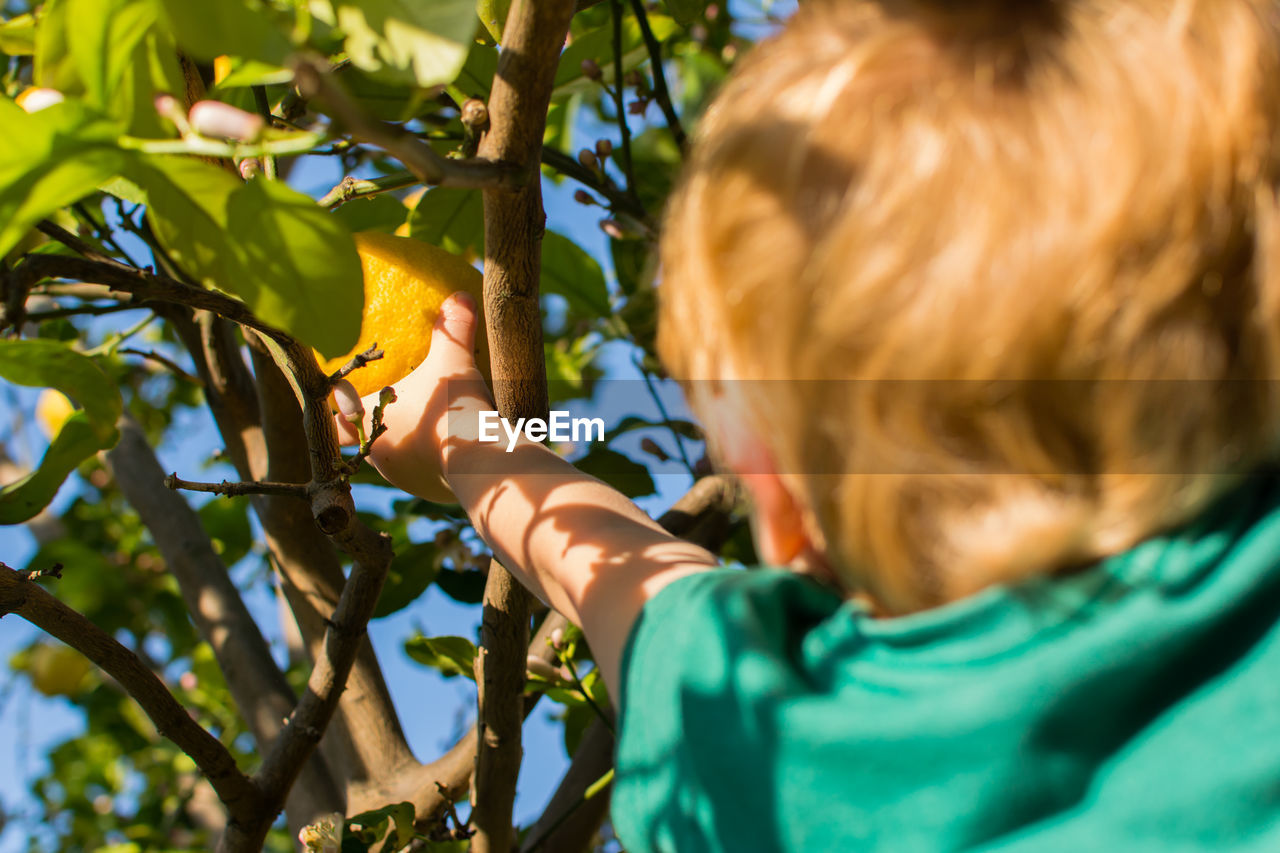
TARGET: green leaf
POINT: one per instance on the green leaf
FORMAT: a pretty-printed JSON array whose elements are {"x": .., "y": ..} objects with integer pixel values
[
  {"x": 686, "y": 11},
  {"x": 624, "y": 474},
  {"x": 24, "y": 498},
  {"x": 233, "y": 27},
  {"x": 373, "y": 824},
  {"x": 428, "y": 41},
  {"x": 465, "y": 587},
  {"x": 115, "y": 54},
  {"x": 476, "y": 77},
  {"x": 567, "y": 270},
  {"x": 254, "y": 72},
  {"x": 493, "y": 14},
  {"x": 450, "y": 218},
  {"x": 451, "y": 655},
  {"x": 411, "y": 572},
  {"x": 49, "y": 364},
  {"x": 45, "y": 363},
  {"x": 50, "y": 159},
  {"x": 375, "y": 213},
  {"x": 227, "y": 522},
  {"x": 18, "y": 36},
  {"x": 291, "y": 262}
]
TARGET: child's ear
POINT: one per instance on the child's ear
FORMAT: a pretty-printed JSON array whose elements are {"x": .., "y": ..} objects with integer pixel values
[
  {"x": 778, "y": 523},
  {"x": 778, "y": 520}
]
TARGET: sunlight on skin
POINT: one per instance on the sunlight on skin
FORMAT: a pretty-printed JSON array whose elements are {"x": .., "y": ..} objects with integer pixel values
[{"x": 576, "y": 542}]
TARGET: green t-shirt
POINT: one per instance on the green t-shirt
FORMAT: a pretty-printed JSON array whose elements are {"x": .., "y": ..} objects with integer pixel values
[{"x": 1134, "y": 706}]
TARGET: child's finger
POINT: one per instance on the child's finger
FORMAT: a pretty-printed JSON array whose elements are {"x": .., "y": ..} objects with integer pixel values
[{"x": 455, "y": 328}]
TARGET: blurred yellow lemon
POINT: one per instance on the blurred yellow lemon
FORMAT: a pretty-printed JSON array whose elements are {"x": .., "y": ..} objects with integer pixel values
[
  {"x": 405, "y": 282},
  {"x": 52, "y": 410},
  {"x": 57, "y": 670}
]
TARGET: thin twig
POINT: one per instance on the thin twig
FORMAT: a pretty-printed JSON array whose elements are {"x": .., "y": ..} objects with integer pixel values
[
  {"x": 357, "y": 361},
  {"x": 618, "y": 107},
  {"x": 314, "y": 81},
  {"x": 352, "y": 188},
  {"x": 264, "y": 109},
  {"x": 666, "y": 418},
  {"x": 618, "y": 200},
  {"x": 163, "y": 361},
  {"x": 71, "y": 241},
  {"x": 230, "y": 490},
  {"x": 104, "y": 232},
  {"x": 660, "y": 91},
  {"x": 140, "y": 283},
  {"x": 83, "y": 310}
]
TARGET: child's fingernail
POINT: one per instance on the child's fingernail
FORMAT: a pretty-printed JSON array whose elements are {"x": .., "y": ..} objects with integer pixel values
[{"x": 466, "y": 300}]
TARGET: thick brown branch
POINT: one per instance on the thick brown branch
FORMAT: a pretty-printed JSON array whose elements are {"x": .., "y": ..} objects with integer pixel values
[
  {"x": 314, "y": 82},
  {"x": 704, "y": 514},
  {"x": 513, "y": 224},
  {"x": 33, "y": 603},
  {"x": 366, "y": 740},
  {"x": 302, "y": 732}
]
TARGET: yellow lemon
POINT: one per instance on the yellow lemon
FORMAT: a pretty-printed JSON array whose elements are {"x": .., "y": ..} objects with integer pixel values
[
  {"x": 52, "y": 410},
  {"x": 405, "y": 282},
  {"x": 57, "y": 670}
]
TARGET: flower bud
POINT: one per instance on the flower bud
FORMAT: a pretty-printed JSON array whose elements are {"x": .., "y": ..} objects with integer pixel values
[
  {"x": 537, "y": 666},
  {"x": 584, "y": 197},
  {"x": 587, "y": 157},
  {"x": 349, "y": 402},
  {"x": 35, "y": 99},
  {"x": 249, "y": 167},
  {"x": 591, "y": 70},
  {"x": 214, "y": 118},
  {"x": 651, "y": 447},
  {"x": 474, "y": 113},
  {"x": 612, "y": 228}
]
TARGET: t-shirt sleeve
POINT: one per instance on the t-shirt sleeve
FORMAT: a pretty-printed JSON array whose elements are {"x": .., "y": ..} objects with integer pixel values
[{"x": 709, "y": 660}]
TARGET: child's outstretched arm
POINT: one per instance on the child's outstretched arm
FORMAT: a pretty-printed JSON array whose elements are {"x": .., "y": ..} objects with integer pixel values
[{"x": 580, "y": 545}]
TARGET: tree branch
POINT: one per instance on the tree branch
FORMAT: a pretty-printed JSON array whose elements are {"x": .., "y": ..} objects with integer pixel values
[
  {"x": 257, "y": 685},
  {"x": 140, "y": 283},
  {"x": 248, "y": 487},
  {"x": 315, "y": 82},
  {"x": 366, "y": 739},
  {"x": 30, "y": 601},
  {"x": 513, "y": 225},
  {"x": 660, "y": 91},
  {"x": 352, "y": 188}
]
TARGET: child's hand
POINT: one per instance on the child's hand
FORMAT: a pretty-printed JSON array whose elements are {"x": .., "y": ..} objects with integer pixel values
[{"x": 409, "y": 455}]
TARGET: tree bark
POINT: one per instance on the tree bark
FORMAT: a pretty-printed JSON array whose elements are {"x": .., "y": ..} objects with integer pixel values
[{"x": 513, "y": 224}]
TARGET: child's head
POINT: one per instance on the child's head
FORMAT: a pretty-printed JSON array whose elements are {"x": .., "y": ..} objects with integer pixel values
[{"x": 1054, "y": 222}]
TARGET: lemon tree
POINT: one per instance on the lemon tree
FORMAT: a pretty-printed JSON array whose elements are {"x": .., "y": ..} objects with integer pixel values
[{"x": 192, "y": 235}]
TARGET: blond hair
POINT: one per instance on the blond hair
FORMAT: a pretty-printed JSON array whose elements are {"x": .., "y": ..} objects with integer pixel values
[{"x": 1015, "y": 262}]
